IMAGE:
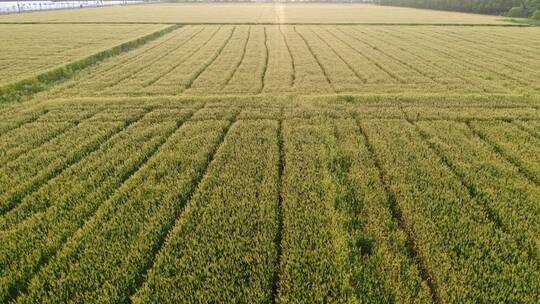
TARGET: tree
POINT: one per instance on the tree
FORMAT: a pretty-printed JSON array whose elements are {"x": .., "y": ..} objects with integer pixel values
[{"x": 514, "y": 8}]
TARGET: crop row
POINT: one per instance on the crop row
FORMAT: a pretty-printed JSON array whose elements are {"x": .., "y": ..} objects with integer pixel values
[
  {"x": 31, "y": 170},
  {"x": 136, "y": 217},
  {"x": 223, "y": 247},
  {"x": 504, "y": 71},
  {"x": 37, "y": 227},
  {"x": 340, "y": 242},
  {"x": 510, "y": 202},
  {"x": 464, "y": 255},
  {"x": 40, "y": 131},
  {"x": 354, "y": 13},
  {"x": 329, "y": 202},
  {"x": 227, "y": 59}
]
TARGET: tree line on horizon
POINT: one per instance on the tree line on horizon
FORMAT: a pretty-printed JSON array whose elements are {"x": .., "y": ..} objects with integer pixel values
[{"x": 510, "y": 8}]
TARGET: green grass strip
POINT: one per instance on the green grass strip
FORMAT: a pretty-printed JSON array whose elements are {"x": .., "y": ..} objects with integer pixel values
[{"x": 23, "y": 89}]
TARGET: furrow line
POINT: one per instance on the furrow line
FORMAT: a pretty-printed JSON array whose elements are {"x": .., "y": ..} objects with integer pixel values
[
  {"x": 35, "y": 185},
  {"x": 129, "y": 60},
  {"x": 519, "y": 40},
  {"x": 293, "y": 78},
  {"x": 265, "y": 68},
  {"x": 476, "y": 194},
  {"x": 172, "y": 68},
  {"x": 491, "y": 214},
  {"x": 142, "y": 275},
  {"x": 528, "y": 131},
  {"x": 523, "y": 58},
  {"x": 489, "y": 51},
  {"x": 27, "y": 121},
  {"x": 23, "y": 286},
  {"x": 63, "y": 131},
  {"x": 403, "y": 62},
  {"x": 497, "y": 148},
  {"x": 122, "y": 62},
  {"x": 28, "y": 87},
  {"x": 360, "y": 77},
  {"x": 161, "y": 56},
  {"x": 207, "y": 64},
  {"x": 478, "y": 65},
  {"x": 396, "y": 213},
  {"x": 373, "y": 61},
  {"x": 432, "y": 64},
  {"x": 380, "y": 51},
  {"x": 279, "y": 234},
  {"x": 239, "y": 63},
  {"x": 316, "y": 59}
]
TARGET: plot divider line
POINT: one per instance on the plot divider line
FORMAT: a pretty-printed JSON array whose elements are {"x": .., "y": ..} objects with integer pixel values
[
  {"x": 396, "y": 212},
  {"x": 239, "y": 63},
  {"x": 293, "y": 78},
  {"x": 27, "y": 121},
  {"x": 266, "y": 58},
  {"x": 358, "y": 75},
  {"x": 400, "y": 61},
  {"x": 16, "y": 198},
  {"x": 474, "y": 193},
  {"x": 173, "y": 67},
  {"x": 158, "y": 58},
  {"x": 371, "y": 60},
  {"x": 216, "y": 56},
  {"x": 433, "y": 64},
  {"x": 60, "y": 133},
  {"x": 131, "y": 172},
  {"x": 526, "y": 173},
  {"x": 501, "y": 25},
  {"x": 316, "y": 59},
  {"x": 279, "y": 234},
  {"x": 537, "y": 135},
  {"x": 196, "y": 184}
]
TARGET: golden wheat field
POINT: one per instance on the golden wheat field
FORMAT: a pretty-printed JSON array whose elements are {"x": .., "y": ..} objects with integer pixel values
[{"x": 268, "y": 153}]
